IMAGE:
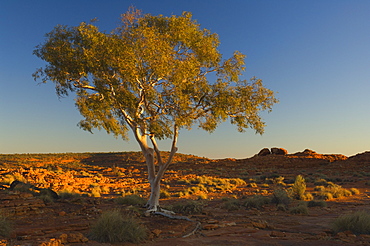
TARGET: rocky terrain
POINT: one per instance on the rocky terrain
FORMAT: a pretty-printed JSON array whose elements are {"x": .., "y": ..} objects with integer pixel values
[{"x": 54, "y": 199}]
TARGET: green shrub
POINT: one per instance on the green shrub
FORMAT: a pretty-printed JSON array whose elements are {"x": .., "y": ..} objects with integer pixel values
[
  {"x": 5, "y": 226},
  {"x": 188, "y": 207},
  {"x": 256, "y": 201},
  {"x": 300, "y": 209},
  {"x": 231, "y": 204},
  {"x": 65, "y": 194},
  {"x": 357, "y": 223},
  {"x": 280, "y": 197},
  {"x": 317, "y": 203},
  {"x": 298, "y": 189},
  {"x": 113, "y": 227},
  {"x": 130, "y": 200}
]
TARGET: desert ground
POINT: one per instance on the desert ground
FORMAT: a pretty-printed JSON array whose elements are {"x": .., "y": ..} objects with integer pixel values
[{"x": 57, "y": 198}]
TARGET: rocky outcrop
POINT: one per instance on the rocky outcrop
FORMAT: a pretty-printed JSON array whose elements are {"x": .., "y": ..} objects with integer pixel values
[
  {"x": 278, "y": 151},
  {"x": 264, "y": 152},
  {"x": 273, "y": 151},
  {"x": 310, "y": 154}
]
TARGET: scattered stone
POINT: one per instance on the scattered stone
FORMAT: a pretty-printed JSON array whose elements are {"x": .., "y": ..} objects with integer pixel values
[
  {"x": 210, "y": 227},
  {"x": 277, "y": 234},
  {"x": 279, "y": 151},
  {"x": 262, "y": 224},
  {"x": 212, "y": 221},
  {"x": 264, "y": 152},
  {"x": 62, "y": 213},
  {"x": 224, "y": 224},
  {"x": 156, "y": 232}
]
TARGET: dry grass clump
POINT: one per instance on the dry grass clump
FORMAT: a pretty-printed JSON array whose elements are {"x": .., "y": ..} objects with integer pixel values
[
  {"x": 300, "y": 209},
  {"x": 256, "y": 201},
  {"x": 130, "y": 200},
  {"x": 317, "y": 203},
  {"x": 357, "y": 222},
  {"x": 206, "y": 184},
  {"x": 280, "y": 197},
  {"x": 188, "y": 207},
  {"x": 113, "y": 227},
  {"x": 332, "y": 190}
]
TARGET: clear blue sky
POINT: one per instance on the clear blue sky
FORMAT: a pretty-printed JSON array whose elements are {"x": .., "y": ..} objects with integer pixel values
[{"x": 314, "y": 53}]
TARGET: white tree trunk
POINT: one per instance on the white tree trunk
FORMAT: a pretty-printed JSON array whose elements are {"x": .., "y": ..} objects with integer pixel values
[{"x": 155, "y": 191}]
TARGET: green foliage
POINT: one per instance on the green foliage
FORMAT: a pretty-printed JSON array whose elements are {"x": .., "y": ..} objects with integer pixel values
[
  {"x": 152, "y": 71},
  {"x": 188, "y": 207},
  {"x": 113, "y": 227},
  {"x": 357, "y": 222},
  {"x": 5, "y": 226}
]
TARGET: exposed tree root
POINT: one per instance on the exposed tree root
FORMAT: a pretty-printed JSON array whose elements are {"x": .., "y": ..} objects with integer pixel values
[
  {"x": 197, "y": 227},
  {"x": 171, "y": 215}
]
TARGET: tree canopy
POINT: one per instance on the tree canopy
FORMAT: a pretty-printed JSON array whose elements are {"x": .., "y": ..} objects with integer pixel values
[{"x": 154, "y": 75}]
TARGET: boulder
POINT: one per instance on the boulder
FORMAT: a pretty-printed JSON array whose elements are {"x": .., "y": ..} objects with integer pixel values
[
  {"x": 264, "y": 152},
  {"x": 279, "y": 151}
]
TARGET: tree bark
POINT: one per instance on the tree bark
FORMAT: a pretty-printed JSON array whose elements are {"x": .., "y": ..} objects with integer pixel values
[{"x": 155, "y": 191}]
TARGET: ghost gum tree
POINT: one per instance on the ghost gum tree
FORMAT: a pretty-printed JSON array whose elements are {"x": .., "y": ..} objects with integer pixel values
[{"x": 151, "y": 76}]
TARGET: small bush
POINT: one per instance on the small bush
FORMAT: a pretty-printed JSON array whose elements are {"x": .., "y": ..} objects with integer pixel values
[
  {"x": 357, "y": 223},
  {"x": 95, "y": 191},
  {"x": 164, "y": 194},
  {"x": 112, "y": 227},
  {"x": 231, "y": 204},
  {"x": 300, "y": 209},
  {"x": 298, "y": 189},
  {"x": 354, "y": 191},
  {"x": 325, "y": 195},
  {"x": 280, "y": 197},
  {"x": 317, "y": 203},
  {"x": 5, "y": 226},
  {"x": 188, "y": 207},
  {"x": 202, "y": 196},
  {"x": 256, "y": 201},
  {"x": 307, "y": 196},
  {"x": 65, "y": 194},
  {"x": 130, "y": 200}
]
